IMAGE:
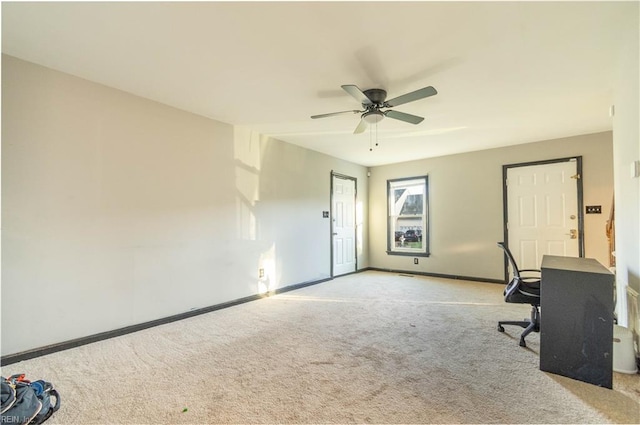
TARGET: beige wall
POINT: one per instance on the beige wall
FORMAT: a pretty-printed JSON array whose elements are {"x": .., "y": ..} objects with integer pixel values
[
  {"x": 466, "y": 206},
  {"x": 117, "y": 210}
]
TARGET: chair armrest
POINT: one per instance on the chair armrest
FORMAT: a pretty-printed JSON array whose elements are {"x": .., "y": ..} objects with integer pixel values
[{"x": 529, "y": 294}]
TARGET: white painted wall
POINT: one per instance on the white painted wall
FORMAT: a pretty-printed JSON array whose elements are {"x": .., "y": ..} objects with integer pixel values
[
  {"x": 117, "y": 210},
  {"x": 466, "y": 206},
  {"x": 626, "y": 142}
]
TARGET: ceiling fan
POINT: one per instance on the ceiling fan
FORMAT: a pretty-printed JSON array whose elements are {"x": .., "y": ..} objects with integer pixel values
[{"x": 373, "y": 101}]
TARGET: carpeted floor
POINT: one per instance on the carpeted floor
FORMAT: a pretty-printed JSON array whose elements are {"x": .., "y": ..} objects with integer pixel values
[{"x": 365, "y": 348}]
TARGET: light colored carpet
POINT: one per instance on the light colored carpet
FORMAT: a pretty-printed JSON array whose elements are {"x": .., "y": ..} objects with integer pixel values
[{"x": 366, "y": 348}]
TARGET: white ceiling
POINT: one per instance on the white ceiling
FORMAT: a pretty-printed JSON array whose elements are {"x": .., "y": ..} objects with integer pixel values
[{"x": 506, "y": 73}]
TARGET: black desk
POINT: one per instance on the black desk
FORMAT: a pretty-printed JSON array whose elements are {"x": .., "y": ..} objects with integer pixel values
[{"x": 576, "y": 319}]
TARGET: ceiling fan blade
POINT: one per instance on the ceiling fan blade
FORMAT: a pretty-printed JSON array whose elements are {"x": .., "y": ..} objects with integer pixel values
[
  {"x": 361, "y": 127},
  {"x": 413, "y": 119},
  {"x": 357, "y": 94},
  {"x": 410, "y": 97},
  {"x": 335, "y": 113}
]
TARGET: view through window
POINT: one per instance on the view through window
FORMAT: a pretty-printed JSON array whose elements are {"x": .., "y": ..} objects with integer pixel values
[{"x": 408, "y": 214}]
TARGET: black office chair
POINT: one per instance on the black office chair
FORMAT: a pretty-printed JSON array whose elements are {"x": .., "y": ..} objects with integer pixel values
[{"x": 522, "y": 290}]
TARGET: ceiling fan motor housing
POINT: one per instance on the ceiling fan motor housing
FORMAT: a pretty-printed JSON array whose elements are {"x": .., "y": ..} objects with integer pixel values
[
  {"x": 373, "y": 114},
  {"x": 377, "y": 96}
]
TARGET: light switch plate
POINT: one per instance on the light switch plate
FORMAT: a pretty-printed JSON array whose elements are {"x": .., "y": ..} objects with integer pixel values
[
  {"x": 635, "y": 169},
  {"x": 594, "y": 209}
]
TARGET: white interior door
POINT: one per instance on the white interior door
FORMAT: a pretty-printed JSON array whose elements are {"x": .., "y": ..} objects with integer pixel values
[
  {"x": 343, "y": 225},
  {"x": 542, "y": 212}
]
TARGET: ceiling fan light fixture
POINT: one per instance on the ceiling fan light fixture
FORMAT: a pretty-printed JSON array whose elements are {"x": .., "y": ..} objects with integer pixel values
[{"x": 373, "y": 117}]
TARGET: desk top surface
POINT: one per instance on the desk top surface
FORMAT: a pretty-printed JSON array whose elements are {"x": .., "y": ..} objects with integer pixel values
[{"x": 587, "y": 265}]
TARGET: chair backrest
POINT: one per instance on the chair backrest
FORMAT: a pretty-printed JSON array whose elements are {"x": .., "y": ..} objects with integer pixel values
[
  {"x": 512, "y": 261},
  {"x": 521, "y": 289}
]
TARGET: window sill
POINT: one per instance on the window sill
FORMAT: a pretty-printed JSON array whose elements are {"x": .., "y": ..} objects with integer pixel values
[{"x": 409, "y": 254}]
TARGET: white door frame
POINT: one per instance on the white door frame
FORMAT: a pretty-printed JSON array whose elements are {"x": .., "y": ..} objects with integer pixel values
[
  {"x": 355, "y": 195},
  {"x": 505, "y": 169}
]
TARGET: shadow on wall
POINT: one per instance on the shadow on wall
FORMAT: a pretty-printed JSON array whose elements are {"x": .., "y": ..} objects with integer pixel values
[
  {"x": 261, "y": 251},
  {"x": 281, "y": 191}
]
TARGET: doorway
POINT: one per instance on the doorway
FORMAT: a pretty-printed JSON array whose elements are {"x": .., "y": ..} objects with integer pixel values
[
  {"x": 543, "y": 210},
  {"x": 343, "y": 224}
]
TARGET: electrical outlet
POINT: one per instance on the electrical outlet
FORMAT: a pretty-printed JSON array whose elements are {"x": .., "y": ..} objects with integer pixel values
[
  {"x": 261, "y": 273},
  {"x": 594, "y": 209},
  {"x": 415, "y": 261}
]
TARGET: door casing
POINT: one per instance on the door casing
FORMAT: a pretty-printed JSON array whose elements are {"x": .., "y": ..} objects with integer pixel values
[
  {"x": 505, "y": 169},
  {"x": 331, "y": 229}
]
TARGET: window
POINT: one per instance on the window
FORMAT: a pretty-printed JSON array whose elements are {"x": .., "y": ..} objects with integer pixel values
[{"x": 408, "y": 216}]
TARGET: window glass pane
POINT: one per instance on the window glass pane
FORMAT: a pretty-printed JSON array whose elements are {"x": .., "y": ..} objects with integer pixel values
[
  {"x": 412, "y": 205},
  {"x": 398, "y": 193}
]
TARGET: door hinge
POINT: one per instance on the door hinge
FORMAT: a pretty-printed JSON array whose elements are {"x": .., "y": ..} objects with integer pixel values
[{"x": 576, "y": 176}]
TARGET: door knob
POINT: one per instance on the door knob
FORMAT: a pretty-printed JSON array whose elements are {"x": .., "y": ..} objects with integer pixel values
[{"x": 573, "y": 234}]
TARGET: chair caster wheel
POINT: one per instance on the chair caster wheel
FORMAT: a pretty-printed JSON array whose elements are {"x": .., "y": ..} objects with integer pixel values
[
  {"x": 522, "y": 343},
  {"x": 500, "y": 328}
]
